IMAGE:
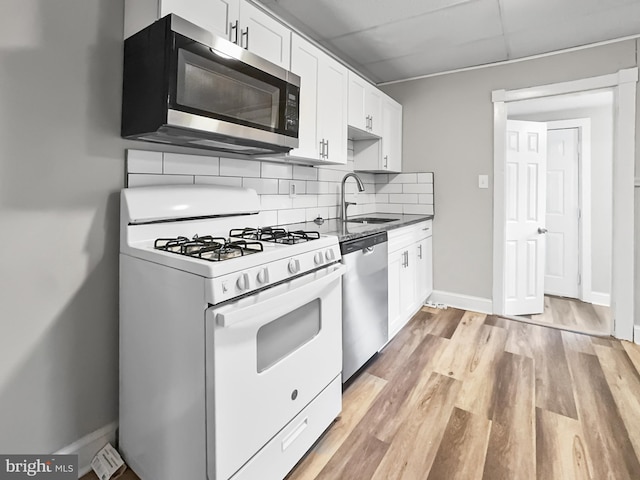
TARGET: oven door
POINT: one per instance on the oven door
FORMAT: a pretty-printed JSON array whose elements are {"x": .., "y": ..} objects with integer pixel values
[{"x": 268, "y": 356}]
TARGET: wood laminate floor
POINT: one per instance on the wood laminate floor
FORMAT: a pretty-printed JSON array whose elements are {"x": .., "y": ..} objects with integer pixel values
[
  {"x": 462, "y": 396},
  {"x": 573, "y": 314}
]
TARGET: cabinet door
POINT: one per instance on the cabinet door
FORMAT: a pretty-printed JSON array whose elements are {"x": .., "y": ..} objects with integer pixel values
[
  {"x": 424, "y": 276},
  {"x": 391, "y": 136},
  {"x": 407, "y": 285},
  {"x": 332, "y": 106},
  {"x": 264, "y": 36},
  {"x": 217, "y": 16},
  {"x": 373, "y": 109},
  {"x": 357, "y": 93},
  {"x": 306, "y": 62}
]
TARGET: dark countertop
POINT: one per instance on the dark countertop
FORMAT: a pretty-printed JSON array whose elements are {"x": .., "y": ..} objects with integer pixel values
[{"x": 351, "y": 231}]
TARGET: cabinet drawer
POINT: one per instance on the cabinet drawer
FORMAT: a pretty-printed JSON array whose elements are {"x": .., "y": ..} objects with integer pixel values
[{"x": 405, "y": 236}]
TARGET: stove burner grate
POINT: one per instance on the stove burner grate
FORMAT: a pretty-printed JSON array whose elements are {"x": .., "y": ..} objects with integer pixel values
[
  {"x": 213, "y": 249},
  {"x": 275, "y": 235}
]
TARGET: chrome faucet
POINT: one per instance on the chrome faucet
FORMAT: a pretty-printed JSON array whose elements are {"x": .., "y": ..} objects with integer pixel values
[{"x": 343, "y": 203}]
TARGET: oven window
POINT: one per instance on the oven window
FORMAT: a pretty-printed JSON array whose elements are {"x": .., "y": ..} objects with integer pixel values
[
  {"x": 222, "y": 91},
  {"x": 279, "y": 338}
]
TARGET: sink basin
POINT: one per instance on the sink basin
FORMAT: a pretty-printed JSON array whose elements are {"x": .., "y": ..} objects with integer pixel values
[{"x": 372, "y": 220}]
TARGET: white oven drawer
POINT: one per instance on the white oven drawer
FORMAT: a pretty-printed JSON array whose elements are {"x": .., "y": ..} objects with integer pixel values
[
  {"x": 281, "y": 454},
  {"x": 267, "y": 357}
]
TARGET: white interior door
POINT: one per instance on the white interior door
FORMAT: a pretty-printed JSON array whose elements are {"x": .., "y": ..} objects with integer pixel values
[
  {"x": 563, "y": 209},
  {"x": 525, "y": 220}
]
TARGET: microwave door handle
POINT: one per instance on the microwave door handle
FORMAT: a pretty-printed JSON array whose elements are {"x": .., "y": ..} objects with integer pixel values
[{"x": 275, "y": 307}]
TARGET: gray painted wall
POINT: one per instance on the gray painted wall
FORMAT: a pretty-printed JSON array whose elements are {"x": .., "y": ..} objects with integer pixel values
[
  {"x": 448, "y": 129},
  {"x": 601, "y": 183},
  {"x": 61, "y": 167}
]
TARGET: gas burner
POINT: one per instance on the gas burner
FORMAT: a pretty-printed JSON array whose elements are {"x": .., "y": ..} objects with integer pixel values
[
  {"x": 213, "y": 249},
  {"x": 275, "y": 235}
]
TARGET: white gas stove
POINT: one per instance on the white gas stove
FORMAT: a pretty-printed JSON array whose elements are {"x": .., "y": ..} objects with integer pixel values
[{"x": 230, "y": 336}]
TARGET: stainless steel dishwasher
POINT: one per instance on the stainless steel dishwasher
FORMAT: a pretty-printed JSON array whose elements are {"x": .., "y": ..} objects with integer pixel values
[{"x": 364, "y": 300}]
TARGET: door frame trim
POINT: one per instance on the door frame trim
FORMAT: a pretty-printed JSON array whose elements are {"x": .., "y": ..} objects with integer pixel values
[
  {"x": 623, "y": 83},
  {"x": 584, "y": 200}
]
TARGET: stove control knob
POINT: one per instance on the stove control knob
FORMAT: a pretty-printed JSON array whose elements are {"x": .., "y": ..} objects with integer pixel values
[
  {"x": 330, "y": 256},
  {"x": 318, "y": 259},
  {"x": 263, "y": 275},
  {"x": 294, "y": 266},
  {"x": 243, "y": 282}
]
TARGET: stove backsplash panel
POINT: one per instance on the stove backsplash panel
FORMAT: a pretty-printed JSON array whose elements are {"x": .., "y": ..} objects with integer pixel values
[{"x": 288, "y": 193}]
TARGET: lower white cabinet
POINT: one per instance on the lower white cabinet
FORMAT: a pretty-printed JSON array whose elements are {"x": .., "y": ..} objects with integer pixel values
[{"x": 410, "y": 272}]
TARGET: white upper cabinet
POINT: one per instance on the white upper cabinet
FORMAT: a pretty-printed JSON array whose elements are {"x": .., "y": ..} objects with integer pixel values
[
  {"x": 263, "y": 35},
  {"x": 384, "y": 154},
  {"x": 323, "y": 104},
  {"x": 391, "y": 160},
  {"x": 236, "y": 20},
  {"x": 217, "y": 16},
  {"x": 365, "y": 106}
]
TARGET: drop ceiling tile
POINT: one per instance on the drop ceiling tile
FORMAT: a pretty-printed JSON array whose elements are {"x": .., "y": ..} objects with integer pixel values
[
  {"x": 473, "y": 21},
  {"x": 438, "y": 60},
  {"x": 522, "y": 15},
  {"x": 583, "y": 30},
  {"x": 334, "y": 18}
]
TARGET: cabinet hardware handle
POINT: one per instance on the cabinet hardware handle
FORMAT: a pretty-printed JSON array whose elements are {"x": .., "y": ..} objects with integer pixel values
[
  {"x": 245, "y": 34},
  {"x": 371, "y": 123},
  {"x": 327, "y": 148},
  {"x": 234, "y": 29},
  {"x": 542, "y": 230},
  {"x": 420, "y": 252},
  {"x": 386, "y": 158}
]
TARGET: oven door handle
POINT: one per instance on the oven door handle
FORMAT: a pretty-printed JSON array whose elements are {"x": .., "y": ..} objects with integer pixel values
[{"x": 280, "y": 304}]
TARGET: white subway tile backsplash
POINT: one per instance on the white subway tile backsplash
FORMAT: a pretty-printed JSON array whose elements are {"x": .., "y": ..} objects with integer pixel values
[
  {"x": 403, "y": 178},
  {"x": 317, "y": 187},
  {"x": 212, "y": 180},
  {"x": 389, "y": 208},
  {"x": 328, "y": 200},
  {"x": 144, "y": 179},
  {"x": 291, "y": 216},
  {"x": 179, "y": 163},
  {"x": 236, "y": 167},
  {"x": 328, "y": 175},
  {"x": 381, "y": 178},
  {"x": 312, "y": 213},
  {"x": 261, "y": 185},
  {"x": 418, "y": 209},
  {"x": 276, "y": 170},
  {"x": 265, "y": 218},
  {"x": 382, "y": 198},
  {"x": 426, "y": 198},
  {"x": 334, "y": 211},
  {"x": 428, "y": 188},
  {"x": 275, "y": 202},
  {"x": 142, "y": 161},
  {"x": 425, "y": 177},
  {"x": 301, "y": 172},
  {"x": 305, "y": 201},
  {"x": 414, "y": 188},
  {"x": 403, "y": 198},
  {"x": 389, "y": 188}
]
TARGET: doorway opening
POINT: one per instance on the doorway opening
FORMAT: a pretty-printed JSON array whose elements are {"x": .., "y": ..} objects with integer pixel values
[
  {"x": 623, "y": 86},
  {"x": 576, "y": 220}
]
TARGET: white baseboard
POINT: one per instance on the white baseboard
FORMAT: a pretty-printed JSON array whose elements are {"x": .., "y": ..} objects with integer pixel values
[
  {"x": 463, "y": 302},
  {"x": 89, "y": 445},
  {"x": 599, "y": 298},
  {"x": 636, "y": 334}
]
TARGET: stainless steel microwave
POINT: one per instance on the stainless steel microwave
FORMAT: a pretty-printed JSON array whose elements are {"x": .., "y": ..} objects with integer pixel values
[{"x": 182, "y": 85}]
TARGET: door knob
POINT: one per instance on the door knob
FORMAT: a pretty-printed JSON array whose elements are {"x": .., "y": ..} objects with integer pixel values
[{"x": 542, "y": 230}]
